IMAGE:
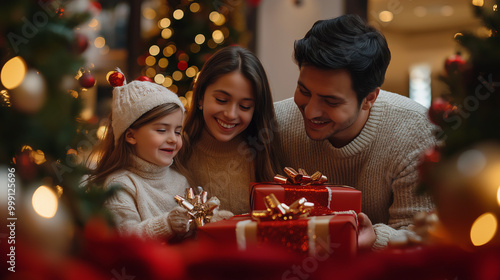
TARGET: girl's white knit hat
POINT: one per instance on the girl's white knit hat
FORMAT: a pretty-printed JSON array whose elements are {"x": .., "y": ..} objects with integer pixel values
[{"x": 132, "y": 100}]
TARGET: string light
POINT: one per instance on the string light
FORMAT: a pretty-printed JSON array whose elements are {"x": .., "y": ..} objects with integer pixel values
[
  {"x": 44, "y": 202},
  {"x": 13, "y": 72},
  {"x": 194, "y": 7},
  {"x": 150, "y": 72},
  {"x": 178, "y": 14},
  {"x": 149, "y": 13},
  {"x": 199, "y": 39},
  {"x": 168, "y": 81},
  {"x": 478, "y": 3},
  {"x": 166, "y": 33},
  {"x": 154, "y": 50},
  {"x": 177, "y": 75},
  {"x": 99, "y": 42},
  {"x": 164, "y": 23},
  {"x": 217, "y": 36},
  {"x": 163, "y": 62},
  {"x": 159, "y": 78},
  {"x": 483, "y": 229}
]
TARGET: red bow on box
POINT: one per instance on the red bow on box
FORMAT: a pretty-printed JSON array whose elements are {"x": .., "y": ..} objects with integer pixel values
[{"x": 300, "y": 178}]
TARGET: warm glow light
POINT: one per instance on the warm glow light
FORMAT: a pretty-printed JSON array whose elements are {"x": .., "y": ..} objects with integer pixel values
[
  {"x": 5, "y": 98},
  {"x": 458, "y": 34},
  {"x": 385, "y": 16},
  {"x": 214, "y": 16},
  {"x": 194, "y": 7},
  {"x": 177, "y": 75},
  {"x": 478, "y": 3},
  {"x": 13, "y": 72},
  {"x": 183, "y": 100},
  {"x": 483, "y": 229},
  {"x": 159, "y": 78},
  {"x": 163, "y": 62},
  {"x": 150, "y": 61},
  {"x": 178, "y": 14},
  {"x": 150, "y": 72},
  {"x": 189, "y": 95},
  {"x": 199, "y": 39},
  {"x": 168, "y": 81},
  {"x": 149, "y": 13},
  {"x": 99, "y": 42},
  {"x": 495, "y": 8},
  {"x": 59, "y": 191},
  {"x": 38, "y": 157},
  {"x": 498, "y": 196},
  {"x": 191, "y": 72},
  {"x": 169, "y": 50},
  {"x": 218, "y": 36},
  {"x": 101, "y": 132},
  {"x": 94, "y": 23},
  {"x": 173, "y": 88},
  {"x": 164, "y": 23},
  {"x": 166, "y": 33},
  {"x": 154, "y": 50},
  {"x": 44, "y": 202}
]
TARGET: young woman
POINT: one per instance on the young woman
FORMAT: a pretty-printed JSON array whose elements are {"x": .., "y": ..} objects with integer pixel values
[{"x": 230, "y": 131}]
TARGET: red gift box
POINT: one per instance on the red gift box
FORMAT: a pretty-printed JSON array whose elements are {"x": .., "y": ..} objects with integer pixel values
[
  {"x": 329, "y": 235},
  {"x": 326, "y": 198}
]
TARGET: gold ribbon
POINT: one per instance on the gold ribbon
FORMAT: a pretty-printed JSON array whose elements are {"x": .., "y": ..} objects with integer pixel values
[
  {"x": 300, "y": 177},
  {"x": 199, "y": 206},
  {"x": 277, "y": 211}
]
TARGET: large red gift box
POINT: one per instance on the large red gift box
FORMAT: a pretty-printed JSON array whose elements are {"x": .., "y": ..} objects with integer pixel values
[
  {"x": 330, "y": 235},
  {"x": 326, "y": 198}
]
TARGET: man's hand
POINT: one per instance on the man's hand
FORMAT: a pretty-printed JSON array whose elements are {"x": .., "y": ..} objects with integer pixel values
[{"x": 366, "y": 236}]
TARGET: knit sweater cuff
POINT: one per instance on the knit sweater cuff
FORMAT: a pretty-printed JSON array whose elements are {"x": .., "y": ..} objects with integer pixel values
[
  {"x": 384, "y": 233},
  {"x": 158, "y": 227}
]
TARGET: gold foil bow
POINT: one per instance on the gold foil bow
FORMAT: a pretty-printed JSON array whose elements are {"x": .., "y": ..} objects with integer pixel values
[
  {"x": 277, "y": 211},
  {"x": 199, "y": 206},
  {"x": 300, "y": 177}
]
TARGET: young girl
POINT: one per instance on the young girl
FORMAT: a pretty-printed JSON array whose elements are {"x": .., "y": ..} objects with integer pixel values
[
  {"x": 142, "y": 139},
  {"x": 230, "y": 130}
]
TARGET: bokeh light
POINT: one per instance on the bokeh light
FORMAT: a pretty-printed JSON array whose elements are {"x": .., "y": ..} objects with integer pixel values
[
  {"x": 44, "y": 202},
  {"x": 13, "y": 72},
  {"x": 483, "y": 229}
]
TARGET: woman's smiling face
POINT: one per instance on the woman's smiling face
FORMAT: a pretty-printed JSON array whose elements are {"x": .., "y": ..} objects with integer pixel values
[{"x": 228, "y": 105}]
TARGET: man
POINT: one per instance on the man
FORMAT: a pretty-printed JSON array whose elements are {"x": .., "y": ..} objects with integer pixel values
[{"x": 341, "y": 123}]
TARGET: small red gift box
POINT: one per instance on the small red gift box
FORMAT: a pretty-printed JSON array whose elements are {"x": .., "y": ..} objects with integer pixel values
[
  {"x": 329, "y": 235},
  {"x": 326, "y": 198}
]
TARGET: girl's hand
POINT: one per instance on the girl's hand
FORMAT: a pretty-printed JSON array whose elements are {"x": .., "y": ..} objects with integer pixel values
[
  {"x": 178, "y": 219},
  {"x": 366, "y": 236}
]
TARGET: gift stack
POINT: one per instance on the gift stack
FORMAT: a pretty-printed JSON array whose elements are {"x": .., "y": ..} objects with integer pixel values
[{"x": 299, "y": 212}]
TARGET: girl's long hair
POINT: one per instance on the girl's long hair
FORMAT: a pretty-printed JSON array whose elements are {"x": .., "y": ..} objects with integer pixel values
[
  {"x": 111, "y": 157},
  {"x": 263, "y": 127}
]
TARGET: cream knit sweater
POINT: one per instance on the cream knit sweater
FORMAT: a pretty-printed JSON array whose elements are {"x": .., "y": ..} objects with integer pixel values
[
  {"x": 381, "y": 161},
  {"x": 147, "y": 195},
  {"x": 224, "y": 170}
]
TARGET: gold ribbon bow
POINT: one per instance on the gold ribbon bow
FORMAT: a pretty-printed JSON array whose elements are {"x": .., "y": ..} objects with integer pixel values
[
  {"x": 300, "y": 177},
  {"x": 277, "y": 211},
  {"x": 199, "y": 206}
]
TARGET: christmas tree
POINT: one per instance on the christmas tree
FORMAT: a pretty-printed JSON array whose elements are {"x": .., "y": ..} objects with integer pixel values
[
  {"x": 188, "y": 33},
  {"x": 462, "y": 174}
]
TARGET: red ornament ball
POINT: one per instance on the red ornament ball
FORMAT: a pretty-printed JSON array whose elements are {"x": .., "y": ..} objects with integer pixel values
[
  {"x": 87, "y": 80},
  {"x": 116, "y": 79},
  {"x": 439, "y": 111},
  {"x": 144, "y": 79},
  {"x": 454, "y": 63},
  {"x": 182, "y": 65},
  {"x": 80, "y": 43}
]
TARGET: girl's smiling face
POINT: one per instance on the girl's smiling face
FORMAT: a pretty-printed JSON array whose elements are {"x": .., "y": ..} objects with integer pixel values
[
  {"x": 158, "y": 141},
  {"x": 228, "y": 105}
]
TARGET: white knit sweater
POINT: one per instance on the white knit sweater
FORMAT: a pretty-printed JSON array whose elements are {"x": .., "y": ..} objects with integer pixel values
[
  {"x": 381, "y": 161},
  {"x": 147, "y": 195}
]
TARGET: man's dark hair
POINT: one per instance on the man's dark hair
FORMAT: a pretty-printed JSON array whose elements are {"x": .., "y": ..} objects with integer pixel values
[{"x": 346, "y": 42}]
